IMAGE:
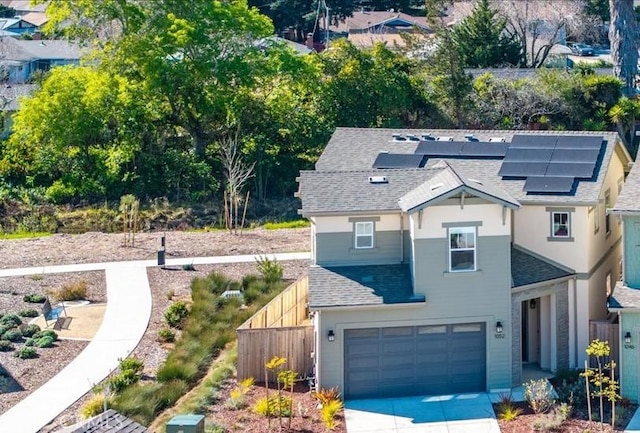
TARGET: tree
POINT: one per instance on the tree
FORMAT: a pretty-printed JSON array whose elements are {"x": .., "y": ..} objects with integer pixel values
[
  {"x": 623, "y": 35},
  {"x": 451, "y": 84},
  {"x": 481, "y": 39},
  {"x": 625, "y": 114},
  {"x": 538, "y": 25}
]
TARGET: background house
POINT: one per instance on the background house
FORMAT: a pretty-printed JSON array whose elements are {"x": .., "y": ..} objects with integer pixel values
[
  {"x": 21, "y": 58},
  {"x": 625, "y": 302},
  {"x": 365, "y": 28},
  {"x": 446, "y": 261}
]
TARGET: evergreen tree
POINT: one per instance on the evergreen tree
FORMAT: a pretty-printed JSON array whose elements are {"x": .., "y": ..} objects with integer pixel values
[{"x": 481, "y": 40}]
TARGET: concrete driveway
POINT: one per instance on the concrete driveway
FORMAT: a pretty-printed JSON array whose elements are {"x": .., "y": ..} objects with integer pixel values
[{"x": 457, "y": 413}]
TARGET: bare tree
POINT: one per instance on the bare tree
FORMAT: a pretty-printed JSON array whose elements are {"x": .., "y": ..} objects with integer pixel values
[
  {"x": 237, "y": 173},
  {"x": 539, "y": 25},
  {"x": 623, "y": 35}
]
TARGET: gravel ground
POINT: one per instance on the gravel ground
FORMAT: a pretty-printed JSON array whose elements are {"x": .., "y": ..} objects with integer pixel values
[{"x": 99, "y": 247}]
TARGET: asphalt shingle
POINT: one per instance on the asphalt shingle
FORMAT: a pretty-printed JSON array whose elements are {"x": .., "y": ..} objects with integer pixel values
[
  {"x": 627, "y": 201},
  {"x": 528, "y": 269},
  {"x": 360, "y": 285}
]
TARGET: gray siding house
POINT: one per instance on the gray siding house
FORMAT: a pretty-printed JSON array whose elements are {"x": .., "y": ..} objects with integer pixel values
[{"x": 445, "y": 260}]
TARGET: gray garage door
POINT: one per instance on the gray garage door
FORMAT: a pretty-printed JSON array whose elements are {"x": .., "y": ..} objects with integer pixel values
[{"x": 415, "y": 360}]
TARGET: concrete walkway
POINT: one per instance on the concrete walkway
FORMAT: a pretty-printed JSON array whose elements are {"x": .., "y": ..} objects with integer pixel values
[{"x": 125, "y": 322}]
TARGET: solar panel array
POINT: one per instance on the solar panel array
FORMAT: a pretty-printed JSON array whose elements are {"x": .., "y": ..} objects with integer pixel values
[
  {"x": 548, "y": 163},
  {"x": 552, "y": 164},
  {"x": 462, "y": 149},
  {"x": 399, "y": 160}
]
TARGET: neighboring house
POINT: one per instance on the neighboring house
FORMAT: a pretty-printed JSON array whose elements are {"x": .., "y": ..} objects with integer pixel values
[
  {"x": 18, "y": 26},
  {"x": 9, "y": 104},
  {"x": 29, "y": 18},
  {"x": 364, "y": 28},
  {"x": 625, "y": 301},
  {"x": 22, "y": 58},
  {"x": 444, "y": 259}
]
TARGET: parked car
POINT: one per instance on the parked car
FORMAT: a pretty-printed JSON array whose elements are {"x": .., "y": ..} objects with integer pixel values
[{"x": 581, "y": 49}]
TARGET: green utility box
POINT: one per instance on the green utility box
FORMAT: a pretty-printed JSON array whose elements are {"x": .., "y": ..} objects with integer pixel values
[{"x": 186, "y": 424}]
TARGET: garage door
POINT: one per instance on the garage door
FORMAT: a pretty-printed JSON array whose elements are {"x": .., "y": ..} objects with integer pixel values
[{"x": 415, "y": 360}]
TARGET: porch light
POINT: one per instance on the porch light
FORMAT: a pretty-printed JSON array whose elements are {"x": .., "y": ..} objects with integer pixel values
[
  {"x": 627, "y": 338},
  {"x": 499, "y": 327},
  {"x": 331, "y": 336},
  {"x": 532, "y": 304}
]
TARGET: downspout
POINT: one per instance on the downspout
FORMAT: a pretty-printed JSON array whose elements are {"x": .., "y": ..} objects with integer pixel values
[
  {"x": 575, "y": 321},
  {"x": 401, "y": 237}
]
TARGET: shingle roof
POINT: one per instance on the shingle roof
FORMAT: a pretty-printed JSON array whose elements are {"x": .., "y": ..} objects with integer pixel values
[
  {"x": 448, "y": 180},
  {"x": 528, "y": 269},
  {"x": 625, "y": 297},
  {"x": 331, "y": 191},
  {"x": 107, "y": 422},
  {"x": 9, "y": 95},
  {"x": 352, "y": 149},
  {"x": 360, "y": 285},
  {"x": 362, "y": 20},
  {"x": 629, "y": 199}
]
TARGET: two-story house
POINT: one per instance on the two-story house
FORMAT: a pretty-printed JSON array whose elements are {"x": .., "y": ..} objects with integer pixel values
[
  {"x": 444, "y": 259},
  {"x": 625, "y": 301}
]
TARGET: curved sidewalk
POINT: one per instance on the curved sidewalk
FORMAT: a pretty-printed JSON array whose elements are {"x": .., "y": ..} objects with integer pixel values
[{"x": 125, "y": 322}]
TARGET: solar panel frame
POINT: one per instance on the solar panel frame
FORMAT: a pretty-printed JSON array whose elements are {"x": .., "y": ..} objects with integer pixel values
[
  {"x": 575, "y": 155},
  {"x": 399, "y": 160},
  {"x": 580, "y": 142},
  {"x": 522, "y": 169},
  {"x": 526, "y": 154},
  {"x": 549, "y": 184},
  {"x": 439, "y": 148},
  {"x": 577, "y": 170},
  {"x": 533, "y": 141},
  {"x": 484, "y": 149}
]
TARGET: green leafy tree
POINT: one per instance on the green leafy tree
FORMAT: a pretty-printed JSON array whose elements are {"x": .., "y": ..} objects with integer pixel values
[
  {"x": 625, "y": 114},
  {"x": 481, "y": 39}
]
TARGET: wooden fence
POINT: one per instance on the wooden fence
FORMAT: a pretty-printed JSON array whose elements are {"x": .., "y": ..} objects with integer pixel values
[
  {"x": 604, "y": 330},
  {"x": 289, "y": 308},
  {"x": 257, "y": 346},
  {"x": 280, "y": 328}
]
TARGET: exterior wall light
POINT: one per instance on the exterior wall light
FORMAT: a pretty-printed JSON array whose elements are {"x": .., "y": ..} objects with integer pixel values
[
  {"x": 331, "y": 336},
  {"x": 532, "y": 304},
  {"x": 627, "y": 338},
  {"x": 498, "y": 327}
]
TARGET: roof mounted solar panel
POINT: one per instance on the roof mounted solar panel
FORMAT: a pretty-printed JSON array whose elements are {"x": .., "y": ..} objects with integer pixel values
[
  {"x": 440, "y": 148},
  {"x": 575, "y": 155},
  {"x": 484, "y": 150},
  {"x": 579, "y": 142},
  {"x": 526, "y": 154},
  {"x": 578, "y": 170},
  {"x": 549, "y": 184},
  {"x": 399, "y": 160},
  {"x": 523, "y": 169},
  {"x": 534, "y": 141}
]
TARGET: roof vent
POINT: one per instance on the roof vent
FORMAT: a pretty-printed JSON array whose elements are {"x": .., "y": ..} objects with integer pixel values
[
  {"x": 413, "y": 137},
  {"x": 436, "y": 186},
  {"x": 398, "y": 137},
  {"x": 427, "y": 137},
  {"x": 497, "y": 140},
  {"x": 470, "y": 137},
  {"x": 378, "y": 179},
  {"x": 444, "y": 139}
]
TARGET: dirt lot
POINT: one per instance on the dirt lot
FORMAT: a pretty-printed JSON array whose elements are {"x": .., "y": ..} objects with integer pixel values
[{"x": 99, "y": 247}]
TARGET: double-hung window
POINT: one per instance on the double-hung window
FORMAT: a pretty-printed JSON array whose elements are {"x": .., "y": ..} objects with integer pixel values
[
  {"x": 560, "y": 225},
  {"x": 462, "y": 249},
  {"x": 364, "y": 234}
]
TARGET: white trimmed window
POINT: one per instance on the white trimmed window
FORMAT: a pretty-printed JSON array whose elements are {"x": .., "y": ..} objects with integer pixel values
[
  {"x": 364, "y": 234},
  {"x": 561, "y": 227},
  {"x": 462, "y": 249}
]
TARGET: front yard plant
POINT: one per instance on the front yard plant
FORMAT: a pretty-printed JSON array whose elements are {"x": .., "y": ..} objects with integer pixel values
[
  {"x": 207, "y": 328},
  {"x": 175, "y": 314},
  {"x": 72, "y": 291}
]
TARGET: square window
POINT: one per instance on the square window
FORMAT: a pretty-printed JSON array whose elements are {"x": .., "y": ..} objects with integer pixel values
[
  {"x": 561, "y": 227},
  {"x": 462, "y": 249},
  {"x": 364, "y": 234}
]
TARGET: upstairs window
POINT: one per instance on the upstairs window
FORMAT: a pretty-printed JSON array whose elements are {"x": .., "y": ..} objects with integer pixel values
[
  {"x": 364, "y": 234},
  {"x": 561, "y": 227},
  {"x": 607, "y": 216},
  {"x": 462, "y": 249}
]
